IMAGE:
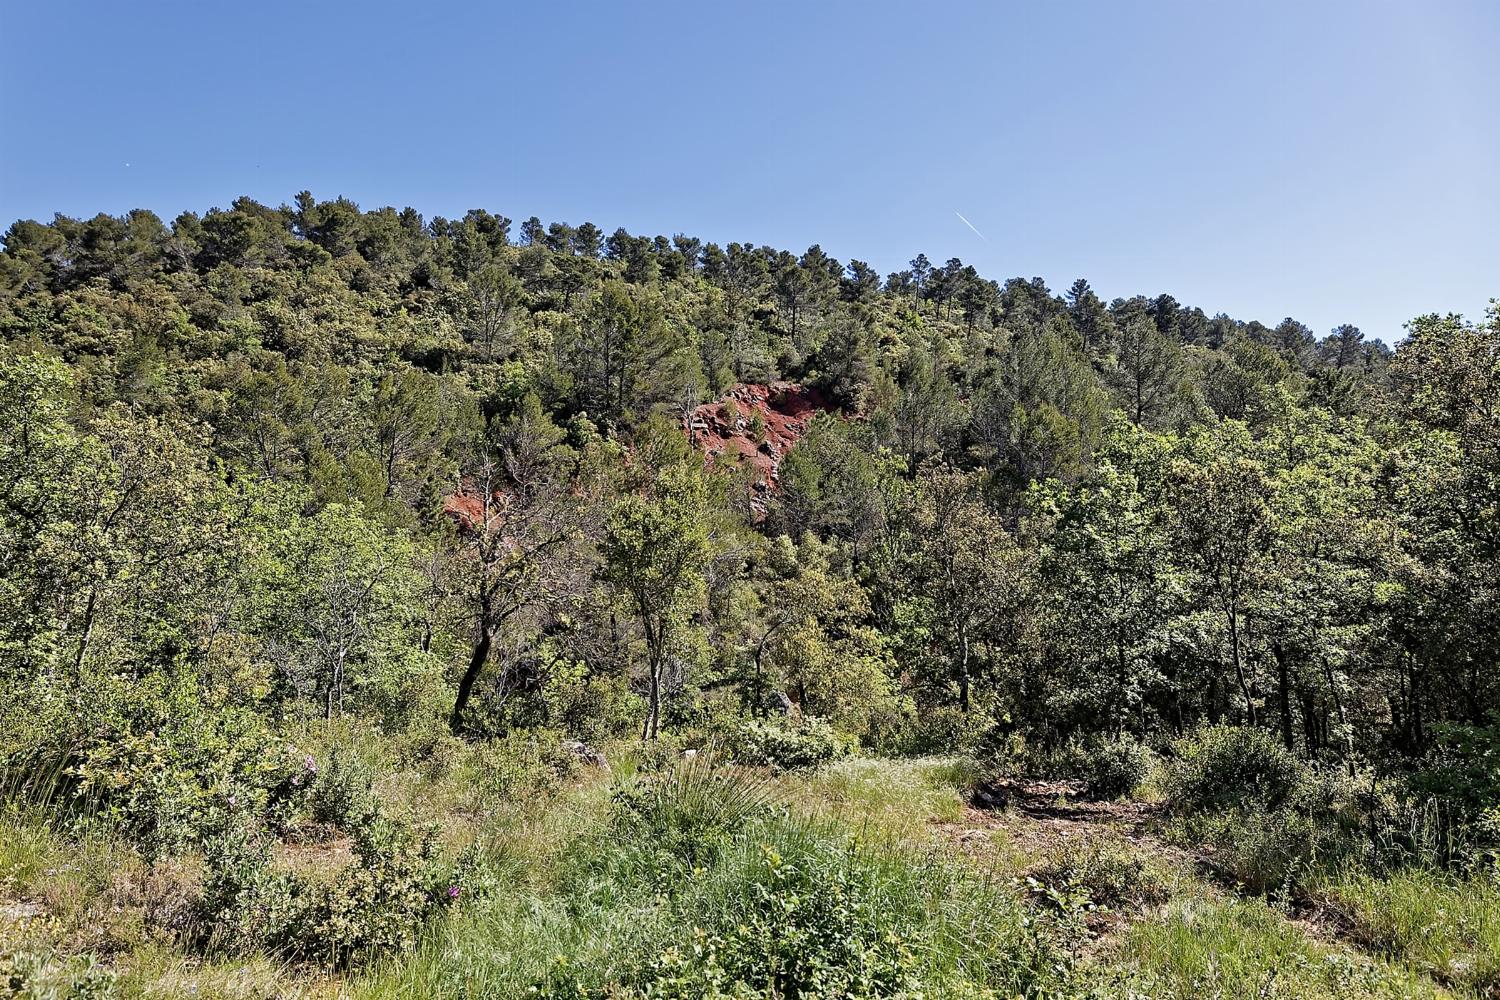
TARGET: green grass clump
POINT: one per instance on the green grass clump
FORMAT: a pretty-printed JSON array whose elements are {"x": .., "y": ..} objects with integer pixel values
[
  {"x": 1206, "y": 949},
  {"x": 1447, "y": 925},
  {"x": 896, "y": 797}
]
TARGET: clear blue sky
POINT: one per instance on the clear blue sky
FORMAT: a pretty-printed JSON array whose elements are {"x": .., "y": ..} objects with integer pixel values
[{"x": 1336, "y": 161}]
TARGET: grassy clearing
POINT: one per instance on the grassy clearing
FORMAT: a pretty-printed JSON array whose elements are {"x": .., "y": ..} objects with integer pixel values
[
  {"x": 770, "y": 899},
  {"x": 895, "y": 797},
  {"x": 636, "y": 882},
  {"x": 1207, "y": 949},
  {"x": 1446, "y": 925}
]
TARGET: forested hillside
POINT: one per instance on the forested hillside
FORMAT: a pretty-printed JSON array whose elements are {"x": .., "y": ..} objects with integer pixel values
[{"x": 295, "y": 498}]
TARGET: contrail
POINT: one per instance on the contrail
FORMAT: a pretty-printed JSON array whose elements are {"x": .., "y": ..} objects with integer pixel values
[{"x": 969, "y": 224}]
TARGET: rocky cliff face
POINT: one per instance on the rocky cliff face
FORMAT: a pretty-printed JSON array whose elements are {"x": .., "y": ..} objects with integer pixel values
[{"x": 755, "y": 424}]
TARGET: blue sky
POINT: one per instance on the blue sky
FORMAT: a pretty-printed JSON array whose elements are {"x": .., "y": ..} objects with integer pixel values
[{"x": 1335, "y": 161}]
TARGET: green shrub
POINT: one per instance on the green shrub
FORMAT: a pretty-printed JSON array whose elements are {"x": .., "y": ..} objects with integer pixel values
[
  {"x": 944, "y": 729},
  {"x": 341, "y": 794},
  {"x": 803, "y": 931},
  {"x": 376, "y": 904},
  {"x": 149, "y": 754},
  {"x": 1113, "y": 768},
  {"x": 45, "y": 975},
  {"x": 1223, "y": 767},
  {"x": 245, "y": 904},
  {"x": 809, "y": 743},
  {"x": 788, "y": 910},
  {"x": 1261, "y": 852},
  {"x": 1110, "y": 875},
  {"x": 525, "y": 767}
]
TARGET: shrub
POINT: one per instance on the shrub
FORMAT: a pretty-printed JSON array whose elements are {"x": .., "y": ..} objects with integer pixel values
[
  {"x": 245, "y": 904},
  {"x": 151, "y": 754},
  {"x": 524, "y": 767},
  {"x": 341, "y": 794},
  {"x": 804, "y": 931},
  {"x": 44, "y": 974},
  {"x": 1110, "y": 875},
  {"x": 1223, "y": 767},
  {"x": 1264, "y": 853},
  {"x": 376, "y": 904},
  {"x": 1113, "y": 768},
  {"x": 944, "y": 729},
  {"x": 810, "y": 743}
]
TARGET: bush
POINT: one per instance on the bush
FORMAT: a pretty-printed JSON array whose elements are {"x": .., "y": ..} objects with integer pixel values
[
  {"x": 808, "y": 744},
  {"x": 805, "y": 931},
  {"x": 150, "y": 754},
  {"x": 943, "y": 730},
  {"x": 1113, "y": 768},
  {"x": 1108, "y": 874},
  {"x": 341, "y": 795},
  {"x": 524, "y": 767},
  {"x": 1224, "y": 767},
  {"x": 376, "y": 904},
  {"x": 788, "y": 910},
  {"x": 45, "y": 974}
]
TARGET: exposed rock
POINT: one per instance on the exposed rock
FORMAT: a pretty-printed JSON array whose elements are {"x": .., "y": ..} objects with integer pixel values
[
  {"x": 724, "y": 430},
  {"x": 585, "y": 754},
  {"x": 778, "y": 703}
]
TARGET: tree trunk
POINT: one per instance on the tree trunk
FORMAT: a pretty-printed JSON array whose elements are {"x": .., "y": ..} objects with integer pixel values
[
  {"x": 1284, "y": 695},
  {"x": 653, "y": 702},
  {"x": 1239, "y": 666},
  {"x": 477, "y": 660},
  {"x": 963, "y": 671}
]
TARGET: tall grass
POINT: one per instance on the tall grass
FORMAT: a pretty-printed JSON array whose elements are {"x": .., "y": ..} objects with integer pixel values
[
  {"x": 1207, "y": 949},
  {"x": 1445, "y": 924},
  {"x": 698, "y": 882}
]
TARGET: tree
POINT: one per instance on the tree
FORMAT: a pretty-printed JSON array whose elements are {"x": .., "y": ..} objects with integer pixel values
[
  {"x": 511, "y": 538},
  {"x": 494, "y": 294},
  {"x": 655, "y": 552},
  {"x": 1148, "y": 370},
  {"x": 1223, "y": 522},
  {"x": 965, "y": 573},
  {"x": 1037, "y": 413},
  {"x": 1342, "y": 347},
  {"x": 1110, "y": 585}
]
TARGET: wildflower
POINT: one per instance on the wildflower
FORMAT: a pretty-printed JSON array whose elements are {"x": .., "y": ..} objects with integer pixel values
[{"x": 453, "y": 891}]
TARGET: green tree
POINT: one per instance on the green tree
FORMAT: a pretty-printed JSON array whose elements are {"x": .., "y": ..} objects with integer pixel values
[{"x": 655, "y": 552}]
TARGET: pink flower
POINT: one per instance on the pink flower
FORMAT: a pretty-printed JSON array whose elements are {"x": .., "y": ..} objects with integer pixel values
[{"x": 453, "y": 891}]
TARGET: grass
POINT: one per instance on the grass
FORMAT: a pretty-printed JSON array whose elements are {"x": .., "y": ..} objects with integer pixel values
[
  {"x": 785, "y": 893},
  {"x": 597, "y": 890},
  {"x": 1204, "y": 948},
  {"x": 1445, "y": 925},
  {"x": 895, "y": 797}
]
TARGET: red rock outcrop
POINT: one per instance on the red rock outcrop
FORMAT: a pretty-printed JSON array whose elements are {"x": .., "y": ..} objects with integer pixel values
[{"x": 726, "y": 430}]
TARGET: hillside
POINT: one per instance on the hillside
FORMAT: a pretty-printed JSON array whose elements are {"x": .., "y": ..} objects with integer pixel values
[{"x": 396, "y": 606}]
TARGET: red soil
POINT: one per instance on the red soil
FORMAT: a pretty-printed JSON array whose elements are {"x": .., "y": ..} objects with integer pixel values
[{"x": 724, "y": 433}]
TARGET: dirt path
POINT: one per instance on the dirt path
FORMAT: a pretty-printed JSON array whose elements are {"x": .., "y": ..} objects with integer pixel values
[{"x": 1038, "y": 818}]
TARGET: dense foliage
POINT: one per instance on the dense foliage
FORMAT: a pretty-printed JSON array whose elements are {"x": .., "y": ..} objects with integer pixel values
[{"x": 266, "y": 465}]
